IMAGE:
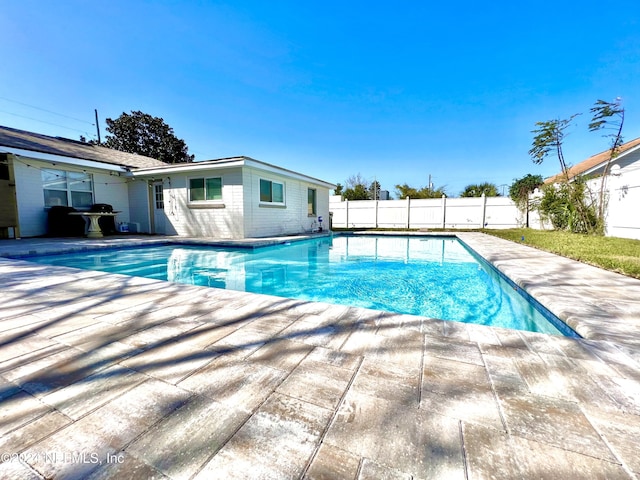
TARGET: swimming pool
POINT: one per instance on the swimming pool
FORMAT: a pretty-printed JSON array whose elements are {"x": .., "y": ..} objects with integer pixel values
[{"x": 436, "y": 277}]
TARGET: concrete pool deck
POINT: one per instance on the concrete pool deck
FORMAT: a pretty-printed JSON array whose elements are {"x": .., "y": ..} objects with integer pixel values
[{"x": 106, "y": 376}]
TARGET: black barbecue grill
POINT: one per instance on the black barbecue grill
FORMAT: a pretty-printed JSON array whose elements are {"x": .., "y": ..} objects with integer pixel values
[{"x": 107, "y": 224}]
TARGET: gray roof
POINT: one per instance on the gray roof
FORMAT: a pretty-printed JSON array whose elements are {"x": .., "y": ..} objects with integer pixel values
[{"x": 11, "y": 137}]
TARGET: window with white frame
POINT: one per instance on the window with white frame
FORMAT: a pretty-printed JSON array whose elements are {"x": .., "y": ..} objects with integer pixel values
[
  {"x": 271, "y": 192},
  {"x": 311, "y": 202},
  {"x": 158, "y": 191},
  {"x": 68, "y": 189},
  {"x": 205, "y": 189}
]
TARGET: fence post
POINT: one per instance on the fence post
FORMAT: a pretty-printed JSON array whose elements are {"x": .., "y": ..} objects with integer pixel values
[
  {"x": 483, "y": 202},
  {"x": 376, "y": 214},
  {"x": 444, "y": 210},
  {"x": 408, "y": 212},
  {"x": 346, "y": 213}
]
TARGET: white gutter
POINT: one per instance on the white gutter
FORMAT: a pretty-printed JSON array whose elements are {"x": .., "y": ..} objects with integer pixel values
[
  {"x": 50, "y": 157},
  {"x": 186, "y": 167}
]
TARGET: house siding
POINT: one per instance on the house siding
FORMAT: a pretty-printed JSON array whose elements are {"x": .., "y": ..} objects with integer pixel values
[
  {"x": 238, "y": 215},
  {"x": 29, "y": 195},
  {"x": 112, "y": 190},
  {"x": 265, "y": 220},
  {"x": 622, "y": 187},
  {"x": 8, "y": 204},
  {"x": 623, "y": 218},
  {"x": 205, "y": 221},
  {"x": 32, "y": 215},
  {"x": 138, "y": 195}
]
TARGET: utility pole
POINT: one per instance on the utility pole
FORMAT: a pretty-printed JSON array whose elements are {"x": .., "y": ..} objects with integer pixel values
[{"x": 97, "y": 125}]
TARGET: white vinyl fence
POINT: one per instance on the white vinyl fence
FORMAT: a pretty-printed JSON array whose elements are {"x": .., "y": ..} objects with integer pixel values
[
  {"x": 478, "y": 212},
  {"x": 622, "y": 220}
]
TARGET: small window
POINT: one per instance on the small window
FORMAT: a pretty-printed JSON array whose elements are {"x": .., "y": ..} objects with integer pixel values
[
  {"x": 159, "y": 196},
  {"x": 205, "y": 189},
  {"x": 271, "y": 192},
  {"x": 311, "y": 202}
]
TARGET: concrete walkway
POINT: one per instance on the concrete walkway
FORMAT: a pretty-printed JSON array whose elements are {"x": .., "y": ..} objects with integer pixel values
[{"x": 106, "y": 376}]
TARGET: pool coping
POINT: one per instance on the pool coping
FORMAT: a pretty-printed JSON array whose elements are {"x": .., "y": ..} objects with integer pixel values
[
  {"x": 251, "y": 244},
  {"x": 203, "y": 382},
  {"x": 615, "y": 316}
]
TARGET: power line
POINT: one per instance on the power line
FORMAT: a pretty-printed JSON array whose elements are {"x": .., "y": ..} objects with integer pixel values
[
  {"x": 45, "y": 110},
  {"x": 48, "y": 123}
]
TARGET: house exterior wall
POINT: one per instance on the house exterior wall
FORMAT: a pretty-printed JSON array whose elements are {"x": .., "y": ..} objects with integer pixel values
[
  {"x": 32, "y": 215},
  {"x": 8, "y": 204},
  {"x": 239, "y": 214},
  {"x": 214, "y": 219},
  {"x": 138, "y": 198},
  {"x": 623, "y": 217},
  {"x": 112, "y": 190},
  {"x": 263, "y": 220},
  {"x": 622, "y": 196}
]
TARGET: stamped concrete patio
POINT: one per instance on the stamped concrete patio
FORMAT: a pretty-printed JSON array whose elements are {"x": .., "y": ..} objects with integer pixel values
[{"x": 106, "y": 376}]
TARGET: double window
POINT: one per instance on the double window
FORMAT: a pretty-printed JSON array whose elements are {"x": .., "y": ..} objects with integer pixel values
[
  {"x": 271, "y": 192},
  {"x": 205, "y": 189},
  {"x": 68, "y": 189}
]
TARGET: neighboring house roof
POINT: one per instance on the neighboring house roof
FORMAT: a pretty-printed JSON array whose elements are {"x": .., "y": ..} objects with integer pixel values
[
  {"x": 218, "y": 163},
  {"x": 35, "y": 142},
  {"x": 594, "y": 163}
]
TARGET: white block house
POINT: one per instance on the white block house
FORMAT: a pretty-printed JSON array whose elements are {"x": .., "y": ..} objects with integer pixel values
[
  {"x": 234, "y": 198},
  {"x": 226, "y": 198}
]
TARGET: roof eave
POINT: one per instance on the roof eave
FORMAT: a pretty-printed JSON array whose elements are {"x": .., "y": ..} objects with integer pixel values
[
  {"x": 53, "y": 158},
  {"x": 230, "y": 162},
  {"x": 559, "y": 176},
  {"x": 601, "y": 165}
]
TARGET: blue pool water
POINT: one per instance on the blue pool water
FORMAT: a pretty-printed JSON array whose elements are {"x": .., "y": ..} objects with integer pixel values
[{"x": 435, "y": 277}]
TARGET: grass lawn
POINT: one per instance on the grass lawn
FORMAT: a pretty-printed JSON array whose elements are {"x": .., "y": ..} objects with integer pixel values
[{"x": 620, "y": 255}]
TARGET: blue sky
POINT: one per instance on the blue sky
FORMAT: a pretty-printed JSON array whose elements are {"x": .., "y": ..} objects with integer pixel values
[{"x": 395, "y": 91}]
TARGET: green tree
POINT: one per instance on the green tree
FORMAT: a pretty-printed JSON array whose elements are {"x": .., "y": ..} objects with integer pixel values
[
  {"x": 146, "y": 135},
  {"x": 486, "y": 188},
  {"x": 549, "y": 137},
  {"x": 521, "y": 189},
  {"x": 404, "y": 191},
  {"x": 607, "y": 115},
  {"x": 338, "y": 189},
  {"x": 357, "y": 188},
  {"x": 357, "y": 192}
]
